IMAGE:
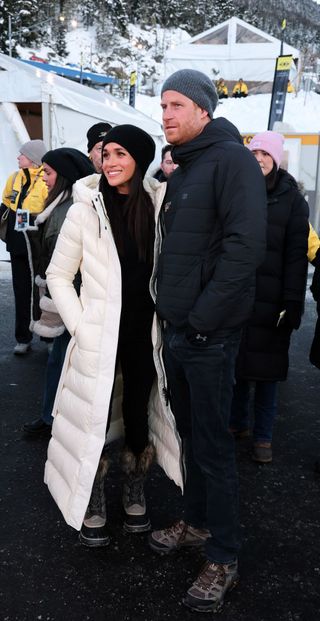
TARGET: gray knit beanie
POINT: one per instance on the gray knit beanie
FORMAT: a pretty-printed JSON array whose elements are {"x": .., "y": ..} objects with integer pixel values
[
  {"x": 34, "y": 150},
  {"x": 196, "y": 86}
]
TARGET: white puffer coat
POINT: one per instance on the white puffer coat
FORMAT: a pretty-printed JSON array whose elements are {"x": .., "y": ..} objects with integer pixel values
[{"x": 82, "y": 402}]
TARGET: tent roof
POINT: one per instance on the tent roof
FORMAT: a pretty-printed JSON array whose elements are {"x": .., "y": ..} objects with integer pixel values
[
  {"x": 31, "y": 84},
  {"x": 233, "y": 35},
  {"x": 74, "y": 73},
  {"x": 231, "y": 49}
]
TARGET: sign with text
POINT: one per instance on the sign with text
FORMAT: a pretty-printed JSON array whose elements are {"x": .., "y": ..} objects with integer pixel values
[{"x": 279, "y": 89}]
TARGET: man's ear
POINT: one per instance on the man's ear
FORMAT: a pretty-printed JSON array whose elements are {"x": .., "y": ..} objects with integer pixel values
[{"x": 204, "y": 113}]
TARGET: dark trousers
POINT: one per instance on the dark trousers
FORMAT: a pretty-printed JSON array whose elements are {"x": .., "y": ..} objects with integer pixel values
[
  {"x": 53, "y": 372},
  {"x": 200, "y": 379},
  {"x": 21, "y": 282},
  {"x": 135, "y": 354},
  {"x": 265, "y": 408}
]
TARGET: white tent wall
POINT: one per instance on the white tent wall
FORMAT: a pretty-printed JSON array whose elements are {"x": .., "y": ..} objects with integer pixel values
[
  {"x": 248, "y": 70},
  {"x": 230, "y": 56}
]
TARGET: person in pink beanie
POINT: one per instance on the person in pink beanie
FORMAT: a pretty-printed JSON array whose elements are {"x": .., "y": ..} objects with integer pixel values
[
  {"x": 279, "y": 300},
  {"x": 270, "y": 143}
]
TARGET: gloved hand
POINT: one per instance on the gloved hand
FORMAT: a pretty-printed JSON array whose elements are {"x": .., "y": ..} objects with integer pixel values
[
  {"x": 315, "y": 285},
  {"x": 293, "y": 313}
]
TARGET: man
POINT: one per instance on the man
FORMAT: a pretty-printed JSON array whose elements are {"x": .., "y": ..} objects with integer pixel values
[
  {"x": 95, "y": 136},
  {"x": 240, "y": 89},
  {"x": 213, "y": 223},
  {"x": 167, "y": 165}
]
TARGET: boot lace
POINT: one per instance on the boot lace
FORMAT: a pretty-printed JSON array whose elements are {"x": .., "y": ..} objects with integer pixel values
[{"x": 211, "y": 576}]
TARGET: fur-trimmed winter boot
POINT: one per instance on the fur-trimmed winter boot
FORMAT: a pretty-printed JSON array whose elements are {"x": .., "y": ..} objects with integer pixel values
[
  {"x": 133, "y": 499},
  {"x": 93, "y": 531}
]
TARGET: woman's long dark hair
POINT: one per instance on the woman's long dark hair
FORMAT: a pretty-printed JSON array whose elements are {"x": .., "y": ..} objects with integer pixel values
[
  {"x": 139, "y": 211},
  {"x": 61, "y": 185}
]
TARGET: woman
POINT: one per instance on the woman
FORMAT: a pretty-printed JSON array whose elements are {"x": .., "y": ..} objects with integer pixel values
[
  {"x": 25, "y": 189},
  {"x": 61, "y": 169},
  {"x": 109, "y": 234},
  {"x": 279, "y": 300}
]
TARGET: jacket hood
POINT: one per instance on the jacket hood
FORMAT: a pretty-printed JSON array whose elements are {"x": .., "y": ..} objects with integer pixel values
[
  {"x": 217, "y": 131},
  {"x": 151, "y": 184},
  {"x": 85, "y": 189},
  {"x": 284, "y": 183}
]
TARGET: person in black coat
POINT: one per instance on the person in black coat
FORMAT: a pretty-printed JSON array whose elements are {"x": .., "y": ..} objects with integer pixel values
[
  {"x": 213, "y": 225},
  {"x": 279, "y": 300}
]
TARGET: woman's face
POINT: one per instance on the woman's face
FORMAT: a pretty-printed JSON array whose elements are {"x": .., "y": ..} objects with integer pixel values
[
  {"x": 49, "y": 176},
  {"x": 25, "y": 162},
  {"x": 118, "y": 166},
  {"x": 265, "y": 161}
]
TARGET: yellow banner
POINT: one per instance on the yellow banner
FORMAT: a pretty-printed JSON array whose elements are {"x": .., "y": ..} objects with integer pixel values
[
  {"x": 133, "y": 78},
  {"x": 284, "y": 63},
  {"x": 305, "y": 139}
]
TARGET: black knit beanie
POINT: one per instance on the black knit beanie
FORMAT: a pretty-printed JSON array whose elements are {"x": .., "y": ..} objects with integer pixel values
[
  {"x": 196, "y": 86},
  {"x": 70, "y": 163},
  {"x": 136, "y": 141},
  {"x": 96, "y": 133}
]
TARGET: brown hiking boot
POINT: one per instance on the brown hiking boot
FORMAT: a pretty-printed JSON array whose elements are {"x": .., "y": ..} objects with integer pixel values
[
  {"x": 179, "y": 535},
  {"x": 262, "y": 452},
  {"x": 208, "y": 590}
]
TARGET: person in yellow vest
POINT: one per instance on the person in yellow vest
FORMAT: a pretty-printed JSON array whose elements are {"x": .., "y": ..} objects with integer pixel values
[
  {"x": 222, "y": 89},
  {"x": 240, "y": 89},
  {"x": 24, "y": 190},
  {"x": 290, "y": 87}
]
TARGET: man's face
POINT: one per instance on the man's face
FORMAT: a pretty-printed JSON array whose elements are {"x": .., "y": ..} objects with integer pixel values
[
  {"x": 167, "y": 165},
  {"x": 96, "y": 156},
  {"x": 182, "y": 119}
]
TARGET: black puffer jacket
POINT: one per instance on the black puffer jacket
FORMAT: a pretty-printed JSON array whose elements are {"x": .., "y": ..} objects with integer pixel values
[
  {"x": 214, "y": 220},
  {"x": 281, "y": 280}
]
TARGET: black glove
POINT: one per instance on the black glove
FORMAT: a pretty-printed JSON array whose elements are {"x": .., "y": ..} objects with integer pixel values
[
  {"x": 315, "y": 285},
  {"x": 293, "y": 314}
]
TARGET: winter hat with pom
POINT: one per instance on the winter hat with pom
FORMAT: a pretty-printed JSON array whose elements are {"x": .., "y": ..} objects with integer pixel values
[
  {"x": 271, "y": 143},
  {"x": 69, "y": 163},
  {"x": 196, "y": 86},
  {"x": 136, "y": 141},
  {"x": 34, "y": 150}
]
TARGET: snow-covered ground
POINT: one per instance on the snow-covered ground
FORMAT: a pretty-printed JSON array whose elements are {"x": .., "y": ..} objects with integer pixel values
[{"x": 302, "y": 111}]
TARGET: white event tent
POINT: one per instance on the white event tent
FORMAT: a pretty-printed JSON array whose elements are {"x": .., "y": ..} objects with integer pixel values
[
  {"x": 233, "y": 49},
  {"x": 38, "y": 104}
]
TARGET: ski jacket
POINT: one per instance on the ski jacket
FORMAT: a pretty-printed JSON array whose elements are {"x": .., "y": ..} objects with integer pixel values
[
  {"x": 214, "y": 220},
  {"x": 281, "y": 279},
  {"x": 81, "y": 407}
]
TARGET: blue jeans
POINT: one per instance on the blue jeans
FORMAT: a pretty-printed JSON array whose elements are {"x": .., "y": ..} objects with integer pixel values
[
  {"x": 265, "y": 408},
  {"x": 200, "y": 381},
  {"x": 53, "y": 372}
]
